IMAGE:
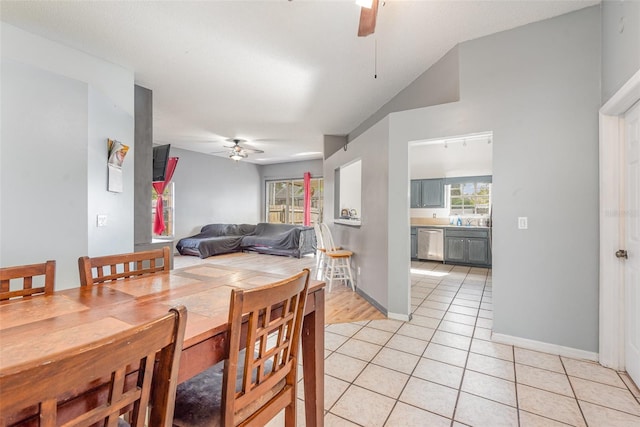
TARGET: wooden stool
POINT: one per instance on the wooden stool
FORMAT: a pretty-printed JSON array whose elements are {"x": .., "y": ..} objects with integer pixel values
[{"x": 338, "y": 260}]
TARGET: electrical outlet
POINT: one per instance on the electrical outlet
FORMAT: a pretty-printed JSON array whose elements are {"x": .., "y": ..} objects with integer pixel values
[
  {"x": 523, "y": 223},
  {"x": 358, "y": 270},
  {"x": 434, "y": 215},
  {"x": 101, "y": 220}
]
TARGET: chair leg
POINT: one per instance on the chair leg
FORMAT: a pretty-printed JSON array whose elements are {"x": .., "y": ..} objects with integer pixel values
[
  {"x": 348, "y": 261},
  {"x": 321, "y": 266},
  {"x": 290, "y": 414},
  {"x": 318, "y": 264},
  {"x": 331, "y": 272}
]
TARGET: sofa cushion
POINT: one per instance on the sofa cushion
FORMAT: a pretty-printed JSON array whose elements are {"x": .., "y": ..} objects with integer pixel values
[
  {"x": 214, "y": 230},
  {"x": 244, "y": 229},
  {"x": 283, "y": 236}
]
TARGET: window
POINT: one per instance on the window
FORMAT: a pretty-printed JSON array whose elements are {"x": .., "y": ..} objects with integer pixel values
[
  {"x": 470, "y": 198},
  {"x": 167, "y": 208},
  {"x": 347, "y": 193},
  {"x": 285, "y": 201}
]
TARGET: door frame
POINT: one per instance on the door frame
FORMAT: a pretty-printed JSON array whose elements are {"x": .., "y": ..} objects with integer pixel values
[{"x": 612, "y": 179}]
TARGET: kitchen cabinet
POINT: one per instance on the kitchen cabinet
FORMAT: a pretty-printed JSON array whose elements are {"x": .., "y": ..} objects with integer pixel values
[
  {"x": 427, "y": 193},
  {"x": 467, "y": 246},
  {"x": 414, "y": 242}
]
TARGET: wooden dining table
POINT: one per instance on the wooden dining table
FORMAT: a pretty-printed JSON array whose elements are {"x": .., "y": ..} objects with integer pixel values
[{"x": 31, "y": 328}]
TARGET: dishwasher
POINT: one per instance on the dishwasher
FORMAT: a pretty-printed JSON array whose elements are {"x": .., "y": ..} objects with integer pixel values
[{"x": 431, "y": 244}]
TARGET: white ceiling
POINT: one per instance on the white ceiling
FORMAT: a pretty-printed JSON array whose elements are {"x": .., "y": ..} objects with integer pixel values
[
  {"x": 279, "y": 74},
  {"x": 467, "y": 155}
]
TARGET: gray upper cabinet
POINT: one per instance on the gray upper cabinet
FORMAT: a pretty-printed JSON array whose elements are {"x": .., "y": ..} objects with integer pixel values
[
  {"x": 416, "y": 193},
  {"x": 427, "y": 193}
]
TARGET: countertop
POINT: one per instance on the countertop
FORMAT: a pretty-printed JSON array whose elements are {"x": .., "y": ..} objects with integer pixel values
[{"x": 481, "y": 227}]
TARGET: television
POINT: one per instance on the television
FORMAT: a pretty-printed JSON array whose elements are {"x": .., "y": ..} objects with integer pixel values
[{"x": 160, "y": 158}]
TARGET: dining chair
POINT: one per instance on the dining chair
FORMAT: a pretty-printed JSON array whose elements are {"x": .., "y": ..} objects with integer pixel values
[
  {"x": 338, "y": 260},
  {"x": 26, "y": 273},
  {"x": 94, "y": 270},
  {"x": 259, "y": 378},
  {"x": 95, "y": 383}
]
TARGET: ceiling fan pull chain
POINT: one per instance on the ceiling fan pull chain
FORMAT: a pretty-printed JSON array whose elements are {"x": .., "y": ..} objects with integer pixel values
[{"x": 375, "y": 58}]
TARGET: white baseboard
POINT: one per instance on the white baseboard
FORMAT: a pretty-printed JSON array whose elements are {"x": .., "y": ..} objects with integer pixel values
[
  {"x": 398, "y": 316},
  {"x": 544, "y": 347}
]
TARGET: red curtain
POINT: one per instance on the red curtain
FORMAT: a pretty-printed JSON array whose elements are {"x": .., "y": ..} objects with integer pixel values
[
  {"x": 159, "y": 186},
  {"x": 307, "y": 198}
]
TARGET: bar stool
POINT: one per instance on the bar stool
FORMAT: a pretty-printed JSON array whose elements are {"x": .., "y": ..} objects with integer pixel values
[
  {"x": 338, "y": 260},
  {"x": 320, "y": 253}
]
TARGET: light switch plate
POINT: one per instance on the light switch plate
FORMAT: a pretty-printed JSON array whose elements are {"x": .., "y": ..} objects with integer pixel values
[
  {"x": 523, "y": 222},
  {"x": 101, "y": 220}
]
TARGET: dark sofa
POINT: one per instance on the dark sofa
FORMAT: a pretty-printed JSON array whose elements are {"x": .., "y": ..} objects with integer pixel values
[{"x": 274, "y": 239}]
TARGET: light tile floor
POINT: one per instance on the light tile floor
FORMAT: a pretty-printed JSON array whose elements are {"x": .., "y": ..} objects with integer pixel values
[{"x": 442, "y": 369}]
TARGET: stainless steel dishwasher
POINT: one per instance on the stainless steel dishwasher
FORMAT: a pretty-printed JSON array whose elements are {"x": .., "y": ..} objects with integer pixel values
[{"x": 431, "y": 244}]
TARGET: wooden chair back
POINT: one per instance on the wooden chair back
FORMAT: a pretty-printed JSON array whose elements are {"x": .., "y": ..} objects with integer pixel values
[
  {"x": 121, "y": 266},
  {"x": 272, "y": 343},
  {"x": 26, "y": 273},
  {"x": 95, "y": 383}
]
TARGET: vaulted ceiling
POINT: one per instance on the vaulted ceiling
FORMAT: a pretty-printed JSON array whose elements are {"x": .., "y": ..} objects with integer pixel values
[{"x": 278, "y": 74}]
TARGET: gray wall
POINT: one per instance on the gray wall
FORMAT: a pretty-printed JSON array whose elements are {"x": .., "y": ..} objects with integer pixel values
[
  {"x": 384, "y": 266},
  {"x": 620, "y": 45},
  {"x": 369, "y": 241},
  {"x": 211, "y": 189},
  {"x": 43, "y": 185},
  {"x": 333, "y": 143},
  {"x": 438, "y": 85},
  {"x": 108, "y": 121},
  {"x": 143, "y": 165},
  {"x": 59, "y": 106},
  {"x": 537, "y": 88},
  {"x": 289, "y": 170}
]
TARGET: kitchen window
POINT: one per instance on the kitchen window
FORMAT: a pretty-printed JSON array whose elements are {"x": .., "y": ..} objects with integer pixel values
[{"x": 470, "y": 198}]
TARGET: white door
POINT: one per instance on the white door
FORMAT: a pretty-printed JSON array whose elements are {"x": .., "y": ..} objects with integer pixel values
[{"x": 632, "y": 242}]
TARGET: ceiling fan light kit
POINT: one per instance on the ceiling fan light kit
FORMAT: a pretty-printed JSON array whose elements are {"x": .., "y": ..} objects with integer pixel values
[
  {"x": 238, "y": 152},
  {"x": 237, "y": 156}
]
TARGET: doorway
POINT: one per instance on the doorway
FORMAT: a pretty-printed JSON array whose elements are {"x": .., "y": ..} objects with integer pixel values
[{"x": 619, "y": 302}]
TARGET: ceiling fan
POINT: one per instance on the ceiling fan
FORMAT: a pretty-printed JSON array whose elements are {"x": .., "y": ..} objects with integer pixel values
[
  {"x": 368, "y": 14},
  {"x": 237, "y": 151}
]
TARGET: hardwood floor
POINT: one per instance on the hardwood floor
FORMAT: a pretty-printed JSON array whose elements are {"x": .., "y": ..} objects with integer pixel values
[{"x": 342, "y": 304}]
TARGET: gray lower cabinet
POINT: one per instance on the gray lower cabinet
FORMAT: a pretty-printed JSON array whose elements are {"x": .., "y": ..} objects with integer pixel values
[
  {"x": 414, "y": 243},
  {"x": 468, "y": 247},
  {"x": 454, "y": 249}
]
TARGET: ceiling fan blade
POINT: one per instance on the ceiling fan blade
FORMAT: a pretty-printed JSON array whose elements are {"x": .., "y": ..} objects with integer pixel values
[
  {"x": 250, "y": 150},
  {"x": 367, "y": 23}
]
